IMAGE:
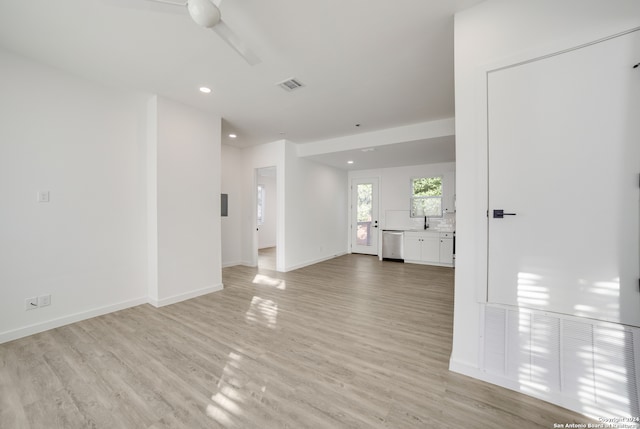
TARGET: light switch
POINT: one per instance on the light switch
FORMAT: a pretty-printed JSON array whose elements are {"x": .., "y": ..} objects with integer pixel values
[{"x": 43, "y": 196}]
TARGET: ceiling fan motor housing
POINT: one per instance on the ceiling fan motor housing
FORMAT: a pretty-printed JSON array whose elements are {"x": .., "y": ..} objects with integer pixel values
[{"x": 204, "y": 12}]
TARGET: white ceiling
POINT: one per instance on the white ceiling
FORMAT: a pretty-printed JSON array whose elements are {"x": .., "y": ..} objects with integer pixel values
[{"x": 378, "y": 63}]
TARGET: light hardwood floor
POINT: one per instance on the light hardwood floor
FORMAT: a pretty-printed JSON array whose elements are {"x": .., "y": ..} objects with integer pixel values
[
  {"x": 348, "y": 343},
  {"x": 267, "y": 258}
]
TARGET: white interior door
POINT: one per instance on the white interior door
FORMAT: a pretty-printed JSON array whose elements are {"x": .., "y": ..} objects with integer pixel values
[
  {"x": 364, "y": 216},
  {"x": 564, "y": 156}
]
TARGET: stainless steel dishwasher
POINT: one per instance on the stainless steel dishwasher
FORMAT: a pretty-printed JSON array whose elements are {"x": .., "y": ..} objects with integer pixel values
[{"x": 393, "y": 245}]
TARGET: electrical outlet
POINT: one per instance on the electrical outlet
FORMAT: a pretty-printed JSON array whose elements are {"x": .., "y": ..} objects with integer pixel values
[
  {"x": 44, "y": 300},
  {"x": 31, "y": 303}
]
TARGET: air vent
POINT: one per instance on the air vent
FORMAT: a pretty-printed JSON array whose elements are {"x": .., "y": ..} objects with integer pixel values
[
  {"x": 590, "y": 362},
  {"x": 290, "y": 84}
]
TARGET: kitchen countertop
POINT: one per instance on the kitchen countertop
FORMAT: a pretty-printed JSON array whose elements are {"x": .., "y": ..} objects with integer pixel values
[{"x": 422, "y": 230}]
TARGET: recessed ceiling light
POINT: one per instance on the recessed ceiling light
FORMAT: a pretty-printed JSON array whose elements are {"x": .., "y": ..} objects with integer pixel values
[
  {"x": 349, "y": 162},
  {"x": 205, "y": 90},
  {"x": 369, "y": 149},
  {"x": 233, "y": 136}
]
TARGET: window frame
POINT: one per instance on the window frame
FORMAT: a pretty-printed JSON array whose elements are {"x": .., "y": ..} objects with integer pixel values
[{"x": 414, "y": 198}]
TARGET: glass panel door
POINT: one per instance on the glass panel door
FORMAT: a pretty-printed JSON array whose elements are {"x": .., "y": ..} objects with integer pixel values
[{"x": 364, "y": 209}]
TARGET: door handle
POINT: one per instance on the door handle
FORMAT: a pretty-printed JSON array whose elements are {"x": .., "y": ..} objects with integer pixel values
[{"x": 499, "y": 214}]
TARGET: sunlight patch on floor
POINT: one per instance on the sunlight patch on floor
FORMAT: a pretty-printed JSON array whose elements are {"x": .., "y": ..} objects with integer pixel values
[
  {"x": 226, "y": 403},
  {"x": 263, "y": 311},
  {"x": 263, "y": 280}
]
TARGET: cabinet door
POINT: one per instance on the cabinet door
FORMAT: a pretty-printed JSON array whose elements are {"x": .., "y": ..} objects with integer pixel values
[
  {"x": 446, "y": 250},
  {"x": 431, "y": 249},
  {"x": 412, "y": 249}
]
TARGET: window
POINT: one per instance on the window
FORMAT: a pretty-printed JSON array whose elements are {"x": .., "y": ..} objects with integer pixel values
[
  {"x": 261, "y": 204},
  {"x": 426, "y": 197},
  {"x": 364, "y": 212}
]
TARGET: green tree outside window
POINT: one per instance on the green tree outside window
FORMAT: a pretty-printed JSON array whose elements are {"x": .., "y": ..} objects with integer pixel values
[{"x": 426, "y": 197}]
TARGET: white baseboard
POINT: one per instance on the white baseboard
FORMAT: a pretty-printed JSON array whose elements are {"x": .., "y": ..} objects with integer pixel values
[
  {"x": 184, "y": 296},
  {"x": 66, "y": 320},
  {"x": 312, "y": 262},
  {"x": 463, "y": 368},
  {"x": 83, "y": 315},
  {"x": 231, "y": 264},
  {"x": 477, "y": 373},
  {"x": 435, "y": 264}
]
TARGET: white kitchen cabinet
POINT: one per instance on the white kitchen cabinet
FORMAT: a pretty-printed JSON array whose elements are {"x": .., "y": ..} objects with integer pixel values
[
  {"x": 428, "y": 247},
  {"x": 422, "y": 247},
  {"x": 446, "y": 248},
  {"x": 412, "y": 247}
]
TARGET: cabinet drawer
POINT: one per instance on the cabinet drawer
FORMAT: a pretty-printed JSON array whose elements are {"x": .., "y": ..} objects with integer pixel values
[{"x": 421, "y": 234}]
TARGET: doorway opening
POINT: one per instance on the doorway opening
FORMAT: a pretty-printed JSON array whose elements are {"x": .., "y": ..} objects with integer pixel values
[{"x": 266, "y": 217}]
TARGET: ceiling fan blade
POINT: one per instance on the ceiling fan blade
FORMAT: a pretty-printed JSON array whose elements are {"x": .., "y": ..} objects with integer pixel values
[
  {"x": 236, "y": 43},
  {"x": 166, "y": 6},
  {"x": 170, "y": 2}
]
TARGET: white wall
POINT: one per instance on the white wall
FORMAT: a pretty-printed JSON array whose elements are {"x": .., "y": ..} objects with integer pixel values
[
  {"x": 232, "y": 224},
  {"x": 187, "y": 153},
  {"x": 253, "y": 158},
  {"x": 267, "y": 231},
  {"x": 395, "y": 192},
  {"x": 316, "y": 212},
  {"x": 311, "y": 206},
  {"x": 492, "y": 34},
  {"x": 134, "y": 211},
  {"x": 84, "y": 144}
]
